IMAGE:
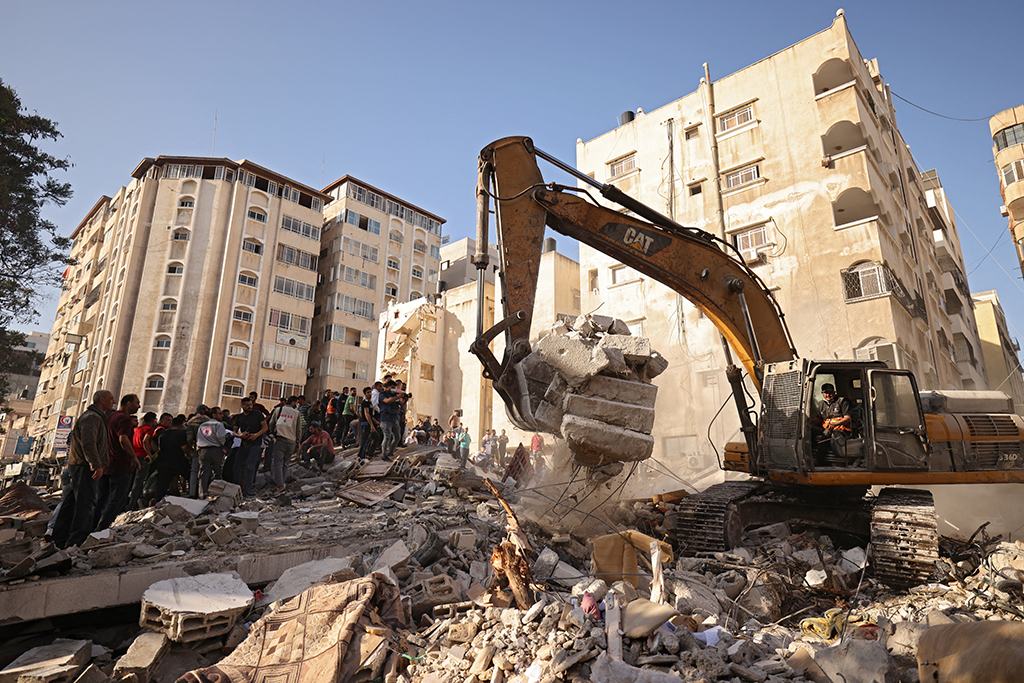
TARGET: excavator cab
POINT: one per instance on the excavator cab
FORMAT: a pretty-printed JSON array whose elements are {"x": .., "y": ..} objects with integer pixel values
[{"x": 887, "y": 431}]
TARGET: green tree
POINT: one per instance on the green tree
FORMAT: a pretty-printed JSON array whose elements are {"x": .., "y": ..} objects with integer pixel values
[{"x": 31, "y": 251}]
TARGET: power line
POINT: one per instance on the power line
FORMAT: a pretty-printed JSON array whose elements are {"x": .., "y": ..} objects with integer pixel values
[{"x": 933, "y": 113}]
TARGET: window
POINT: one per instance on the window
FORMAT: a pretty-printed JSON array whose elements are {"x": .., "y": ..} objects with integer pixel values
[
  {"x": 427, "y": 372},
  {"x": 286, "y": 355},
  {"x": 592, "y": 278},
  {"x": 351, "y": 246},
  {"x": 247, "y": 280},
  {"x": 431, "y": 275},
  {"x": 417, "y": 272},
  {"x": 162, "y": 343},
  {"x": 1007, "y": 137},
  {"x": 736, "y": 118},
  {"x": 169, "y": 305},
  {"x": 621, "y": 166},
  {"x": 243, "y": 316},
  {"x": 692, "y": 134},
  {"x": 155, "y": 383},
  {"x": 252, "y": 247},
  {"x": 290, "y": 322},
  {"x": 865, "y": 280},
  {"x": 180, "y": 235},
  {"x": 273, "y": 390},
  {"x": 341, "y": 367},
  {"x": 390, "y": 290},
  {"x": 359, "y": 277},
  {"x": 256, "y": 214},
  {"x": 621, "y": 274},
  {"x": 293, "y": 288},
  {"x": 296, "y": 257},
  {"x": 175, "y": 270},
  {"x": 350, "y": 304},
  {"x": 186, "y": 203},
  {"x": 178, "y": 171},
  {"x": 238, "y": 351},
  {"x": 362, "y": 222},
  {"x": 233, "y": 390},
  {"x": 435, "y": 251},
  {"x": 393, "y": 264},
  {"x": 1013, "y": 172},
  {"x": 300, "y": 228},
  {"x": 749, "y": 241},
  {"x": 419, "y": 246},
  {"x": 575, "y": 299},
  {"x": 696, "y": 189},
  {"x": 743, "y": 176}
]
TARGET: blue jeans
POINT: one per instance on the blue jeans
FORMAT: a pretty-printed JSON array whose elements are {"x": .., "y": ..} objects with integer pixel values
[
  {"x": 78, "y": 508},
  {"x": 391, "y": 436},
  {"x": 247, "y": 459},
  {"x": 113, "y": 496},
  {"x": 139, "y": 483},
  {"x": 366, "y": 436}
]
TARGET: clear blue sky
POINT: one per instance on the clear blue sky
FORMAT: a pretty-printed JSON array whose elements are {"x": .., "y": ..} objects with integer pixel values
[{"x": 404, "y": 94}]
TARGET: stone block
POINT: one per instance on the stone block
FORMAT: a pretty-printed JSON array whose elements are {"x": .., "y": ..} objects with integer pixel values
[
  {"x": 249, "y": 520},
  {"x": 858, "y": 660},
  {"x": 536, "y": 369},
  {"x": 233, "y": 492},
  {"x": 195, "y": 608},
  {"x": 555, "y": 393},
  {"x": 636, "y": 418},
  {"x": 596, "y": 443},
  {"x": 571, "y": 358},
  {"x": 544, "y": 565},
  {"x": 221, "y": 534},
  {"x": 144, "y": 655},
  {"x": 622, "y": 390},
  {"x": 633, "y": 349},
  {"x": 463, "y": 539},
  {"x": 221, "y": 504},
  {"x": 596, "y": 587},
  {"x": 425, "y": 595},
  {"x": 617, "y": 365},
  {"x": 619, "y": 327},
  {"x": 59, "y": 662},
  {"x": 110, "y": 555},
  {"x": 654, "y": 366},
  {"x": 191, "y": 505},
  {"x": 548, "y": 417},
  {"x": 395, "y": 556}
]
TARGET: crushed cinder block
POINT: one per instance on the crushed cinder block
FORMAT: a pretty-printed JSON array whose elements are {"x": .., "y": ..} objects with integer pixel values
[
  {"x": 221, "y": 488},
  {"x": 463, "y": 539},
  {"x": 221, "y": 504},
  {"x": 575, "y": 360},
  {"x": 621, "y": 390},
  {"x": 195, "y": 608},
  {"x": 221, "y": 534},
  {"x": 59, "y": 662},
  {"x": 425, "y": 595},
  {"x": 628, "y": 416},
  {"x": 144, "y": 655},
  {"x": 248, "y": 520}
]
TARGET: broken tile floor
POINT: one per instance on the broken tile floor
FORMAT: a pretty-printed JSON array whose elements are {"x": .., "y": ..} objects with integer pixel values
[{"x": 190, "y": 586}]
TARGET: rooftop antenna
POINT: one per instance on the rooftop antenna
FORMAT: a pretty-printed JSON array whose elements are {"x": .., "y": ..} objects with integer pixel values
[{"x": 214, "y": 148}]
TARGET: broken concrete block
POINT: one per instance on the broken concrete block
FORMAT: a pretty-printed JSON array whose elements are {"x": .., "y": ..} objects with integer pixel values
[
  {"x": 548, "y": 417},
  {"x": 191, "y": 505},
  {"x": 545, "y": 564},
  {"x": 572, "y": 358},
  {"x": 59, "y": 662},
  {"x": 110, "y": 555},
  {"x": 462, "y": 632},
  {"x": 98, "y": 538},
  {"x": 555, "y": 393},
  {"x": 636, "y": 418},
  {"x": 195, "y": 608},
  {"x": 232, "y": 492},
  {"x": 536, "y": 369},
  {"x": 92, "y": 674},
  {"x": 425, "y": 595},
  {"x": 596, "y": 587},
  {"x": 619, "y": 327},
  {"x": 617, "y": 364},
  {"x": 654, "y": 366},
  {"x": 397, "y": 555},
  {"x": 858, "y": 660},
  {"x": 221, "y": 504},
  {"x": 463, "y": 539},
  {"x": 622, "y": 390},
  {"x": 633, "y": 349},
  {"x": 596, "y": 443},
  {"x": 249, "y": 520},
  {"x": 903, "y": 640},
  {"x": 143, "y": 657},
  {"x": 221, "y": 534},
  {"x": 297, "y": 579}
]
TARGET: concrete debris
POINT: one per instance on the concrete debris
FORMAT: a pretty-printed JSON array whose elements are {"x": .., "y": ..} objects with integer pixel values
[
  {"x": 144, "y": 655},
  {"x": 195, "y": 607},
  {"x": 59, "y": 662}
]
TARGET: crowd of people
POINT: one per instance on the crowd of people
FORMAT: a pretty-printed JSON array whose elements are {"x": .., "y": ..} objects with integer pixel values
[{"x": 117, "y": 461}]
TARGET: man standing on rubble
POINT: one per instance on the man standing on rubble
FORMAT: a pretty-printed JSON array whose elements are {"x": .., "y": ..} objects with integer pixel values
[
  {"x": 192, "y": 430},
  {"x": 88, "y": 456},
  {"x": 390, "y": 413},
  {"x": 284, "y": 422},
  {"x": 210, "y": 440},
  {"x": 367, "y": 426},
  {"x": 116, "y": 483},
  {"x": 250, "y": 427}
]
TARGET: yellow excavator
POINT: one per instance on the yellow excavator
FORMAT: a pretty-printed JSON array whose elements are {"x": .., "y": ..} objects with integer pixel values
[{"x": 898, "y": 435}]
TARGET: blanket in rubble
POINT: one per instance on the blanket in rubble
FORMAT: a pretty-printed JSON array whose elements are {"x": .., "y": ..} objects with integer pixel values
[{"x": 326, "y": 633}]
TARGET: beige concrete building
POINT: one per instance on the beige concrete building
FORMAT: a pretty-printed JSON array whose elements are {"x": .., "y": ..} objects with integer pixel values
[
  {"x": 999, "y": 348},
  {"x": 797, "y": 161},
  {"x": 193, "y": 284},
  {"x": 1008, "y": 149},
  {"x": 16, "y": 407},
  {"x": 377, "y": 250}
]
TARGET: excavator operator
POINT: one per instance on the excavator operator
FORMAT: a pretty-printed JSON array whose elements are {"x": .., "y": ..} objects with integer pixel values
[{"x": 835, "y": 422}]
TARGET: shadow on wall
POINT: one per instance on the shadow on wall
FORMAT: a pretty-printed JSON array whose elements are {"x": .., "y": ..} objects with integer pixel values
[{"x": 451, "y": 396}]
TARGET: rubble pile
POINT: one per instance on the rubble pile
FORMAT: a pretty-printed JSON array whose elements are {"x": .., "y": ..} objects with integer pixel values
[
  {"x": 591, "y": 385},
  {"x": 441, "y": 576}
]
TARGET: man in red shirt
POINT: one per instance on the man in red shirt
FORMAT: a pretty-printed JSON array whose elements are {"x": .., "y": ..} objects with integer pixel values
[
  {"x": 319, "y": 446},
  {"x": 142, "y": 443},
  {"x": 116, "y": 481}
]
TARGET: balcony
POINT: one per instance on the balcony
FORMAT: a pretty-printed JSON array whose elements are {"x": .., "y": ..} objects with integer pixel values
[
  {"x": 1013, "y": 198},
  {"x": 863, "y": 174},
  {"x": 848, "y": 102}
]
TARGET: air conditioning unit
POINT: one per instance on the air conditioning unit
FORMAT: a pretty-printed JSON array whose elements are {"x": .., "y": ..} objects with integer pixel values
[
  {"x": 279, "y": 366},
  {"x": 267, "y": 364}
]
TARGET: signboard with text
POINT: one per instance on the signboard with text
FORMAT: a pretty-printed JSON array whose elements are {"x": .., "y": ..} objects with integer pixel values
[{"x": 63, "y": 433}]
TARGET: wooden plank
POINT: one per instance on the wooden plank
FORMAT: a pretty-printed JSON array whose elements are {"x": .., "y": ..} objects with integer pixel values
[
  {"x": 374, "y": 469},
  {"x": 612, "y": 615}
]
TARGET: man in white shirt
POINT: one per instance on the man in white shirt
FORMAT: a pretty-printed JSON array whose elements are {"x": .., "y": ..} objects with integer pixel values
[
  {"x": 284, "y": 424},
  {"x": 210, "y": 438}
]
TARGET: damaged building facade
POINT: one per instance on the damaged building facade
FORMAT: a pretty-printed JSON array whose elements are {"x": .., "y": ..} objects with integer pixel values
[{"x": 812, "y": 182}]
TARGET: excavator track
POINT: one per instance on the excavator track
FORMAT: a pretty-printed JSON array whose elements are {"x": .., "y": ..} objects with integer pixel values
[
  {"x": 904, "y": 537},
  {"x": 705, "y": 521}
]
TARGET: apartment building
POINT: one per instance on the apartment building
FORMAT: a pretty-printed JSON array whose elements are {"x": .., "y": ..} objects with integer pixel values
[
  {"x": 377, "y": 250},
  {"x": 1000, "y": 349},
  {"x": 194, "y": 283},
  {"x": 15, "y": 442},
  {"x": 798, "y": 162},
  {"x": 1008, "y": 150}
]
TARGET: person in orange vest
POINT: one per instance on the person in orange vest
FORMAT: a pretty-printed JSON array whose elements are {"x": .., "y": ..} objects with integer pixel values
[{"x": 836, "y": 421}]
